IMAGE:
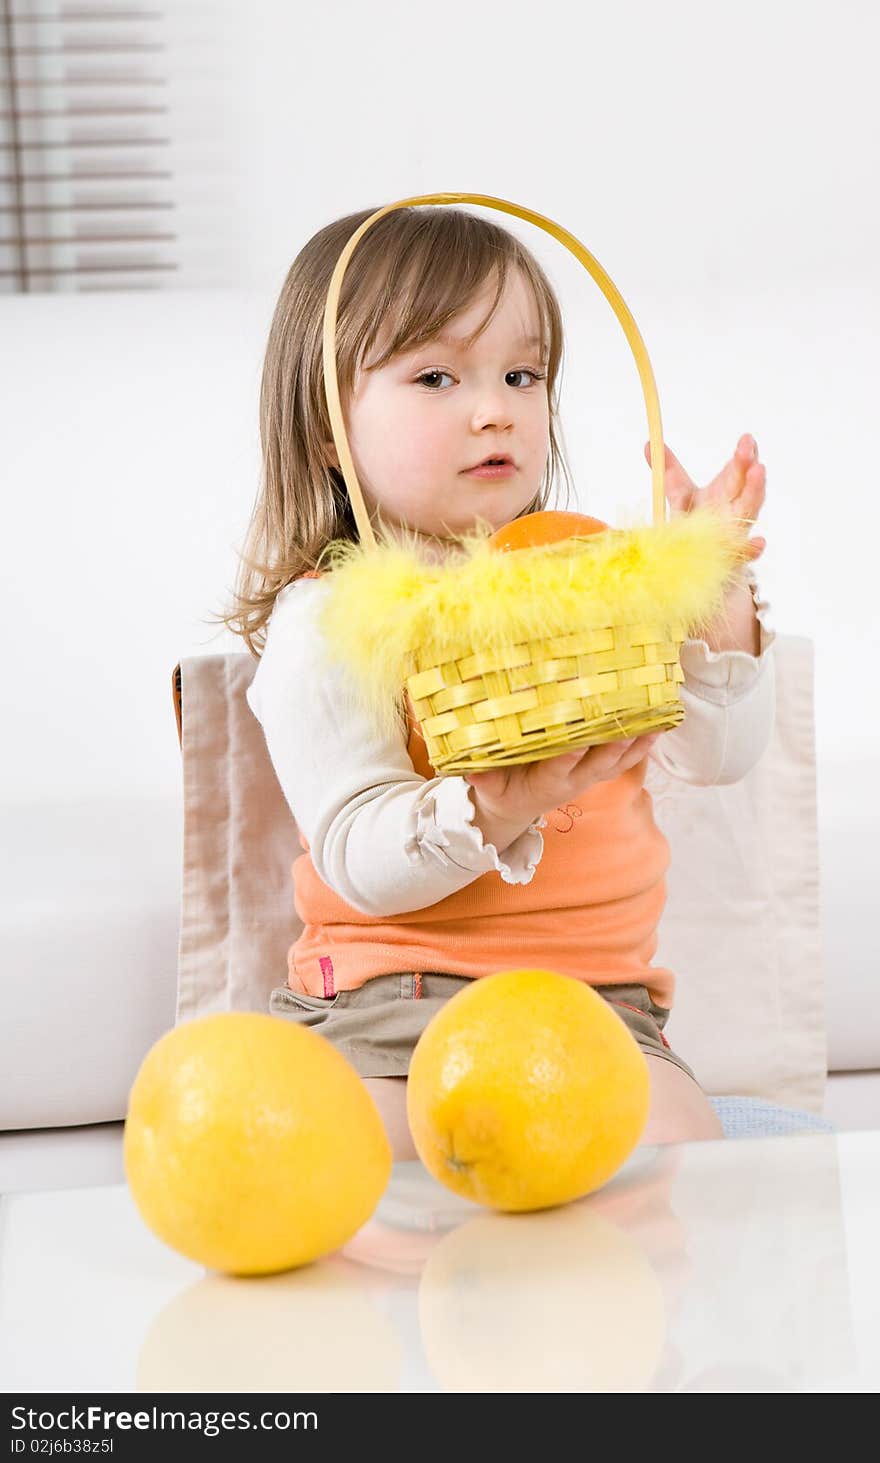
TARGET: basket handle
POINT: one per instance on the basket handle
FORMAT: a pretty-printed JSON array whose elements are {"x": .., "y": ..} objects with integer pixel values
[{"x": 607, "y": 286}]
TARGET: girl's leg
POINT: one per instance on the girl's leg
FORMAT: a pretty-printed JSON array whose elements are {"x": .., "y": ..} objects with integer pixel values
[
  {"x": 389, "y": 1095},
  {"x": 680, "y": 1111}
]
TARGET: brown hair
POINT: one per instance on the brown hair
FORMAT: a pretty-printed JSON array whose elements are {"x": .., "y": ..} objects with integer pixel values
[{"x": 415, "y": 268}]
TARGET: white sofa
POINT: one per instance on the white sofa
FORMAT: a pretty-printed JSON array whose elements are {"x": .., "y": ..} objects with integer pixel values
[
  {"x": 90, "y": 951},
  {"x": 164, "y": 438}
]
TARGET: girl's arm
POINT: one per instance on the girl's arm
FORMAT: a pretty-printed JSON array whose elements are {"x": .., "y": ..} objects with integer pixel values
[
  {"x": 385, "y": 839},
  {"x": 729, "y": 696}
]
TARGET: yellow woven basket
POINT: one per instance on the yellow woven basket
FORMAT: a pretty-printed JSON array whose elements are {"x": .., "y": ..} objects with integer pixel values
[{"x": 483, "y": 700}]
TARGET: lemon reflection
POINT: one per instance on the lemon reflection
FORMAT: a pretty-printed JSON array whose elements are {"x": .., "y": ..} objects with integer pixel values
[
  {"x": 739, "y": 1377},
  {"x": 314, "y": 1329},
  {"x": 557, "y": 1301}
]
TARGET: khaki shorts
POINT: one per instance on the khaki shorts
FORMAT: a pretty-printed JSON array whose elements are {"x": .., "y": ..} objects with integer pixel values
[{"x": 377, "y": 1025}]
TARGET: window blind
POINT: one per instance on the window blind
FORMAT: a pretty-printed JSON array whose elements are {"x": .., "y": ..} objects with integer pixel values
[{"x": 112, "y": 166}]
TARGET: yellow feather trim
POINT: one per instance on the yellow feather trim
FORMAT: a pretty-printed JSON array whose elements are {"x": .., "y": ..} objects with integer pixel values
[{"x": 389, "y": 614}]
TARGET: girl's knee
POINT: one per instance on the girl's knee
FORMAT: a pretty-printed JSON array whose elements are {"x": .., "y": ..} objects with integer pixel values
[
  {"x": 389, "y": 1095},
  {"x": 680, "y": 1111}
]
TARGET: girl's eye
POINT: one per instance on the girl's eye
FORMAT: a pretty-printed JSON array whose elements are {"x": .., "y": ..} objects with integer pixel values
[
  {"x": 535, "y": 375},
  {"x": 423, "y": 378}
]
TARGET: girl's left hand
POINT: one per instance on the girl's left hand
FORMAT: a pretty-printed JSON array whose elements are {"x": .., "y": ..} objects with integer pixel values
[{"x": 740, "y": 487}]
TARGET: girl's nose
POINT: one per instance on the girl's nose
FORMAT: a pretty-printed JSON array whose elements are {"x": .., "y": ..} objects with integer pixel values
[{"x": 492, "y": 411}]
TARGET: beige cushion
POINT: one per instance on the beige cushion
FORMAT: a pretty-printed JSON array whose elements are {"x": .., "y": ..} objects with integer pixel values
[{"x": 740, "y": 928}]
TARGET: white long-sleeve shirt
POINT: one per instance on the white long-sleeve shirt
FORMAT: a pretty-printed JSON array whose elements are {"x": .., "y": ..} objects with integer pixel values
[{"x": 387, "y": 840}]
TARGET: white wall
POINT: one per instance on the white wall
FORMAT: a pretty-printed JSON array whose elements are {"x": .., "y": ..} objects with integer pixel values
[{"x": 720, "y": 162}]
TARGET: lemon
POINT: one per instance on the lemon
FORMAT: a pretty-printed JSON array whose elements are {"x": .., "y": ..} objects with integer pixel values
[
  {"x": 251, "y": 1145},
  {"x": 526, "y": 1090}
]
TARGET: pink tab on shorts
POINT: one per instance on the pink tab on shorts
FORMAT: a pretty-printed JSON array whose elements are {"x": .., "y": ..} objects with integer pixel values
[{"x": 327, "y": 972}]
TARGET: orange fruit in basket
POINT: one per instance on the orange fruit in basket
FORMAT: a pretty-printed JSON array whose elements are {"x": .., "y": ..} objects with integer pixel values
[
  {"x": 526, "y": 1090},
  {"x": 251, "y": 1145},
  {"x": 545, "y": 528}
]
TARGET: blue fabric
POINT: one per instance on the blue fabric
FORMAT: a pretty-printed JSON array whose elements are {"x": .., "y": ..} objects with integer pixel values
[{"x": 752, "y": 1117}]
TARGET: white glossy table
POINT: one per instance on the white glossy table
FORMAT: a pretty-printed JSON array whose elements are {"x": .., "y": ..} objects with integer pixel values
[{"x": 731, "y": 1266}]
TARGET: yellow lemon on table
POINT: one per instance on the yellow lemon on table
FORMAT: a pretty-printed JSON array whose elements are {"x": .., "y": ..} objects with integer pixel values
[
  {"x": 251, "y": 1145},
  {"x": 526, "y": 1090}
]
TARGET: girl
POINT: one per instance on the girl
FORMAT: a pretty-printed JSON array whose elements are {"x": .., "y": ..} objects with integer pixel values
[{"x": 449, "y": 345}]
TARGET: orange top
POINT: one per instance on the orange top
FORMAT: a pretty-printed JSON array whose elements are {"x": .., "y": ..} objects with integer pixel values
[{"x": 591, "y": 909}]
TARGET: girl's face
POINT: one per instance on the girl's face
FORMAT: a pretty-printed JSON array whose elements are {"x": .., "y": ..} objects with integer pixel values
[{"x": 416, "y": 425}]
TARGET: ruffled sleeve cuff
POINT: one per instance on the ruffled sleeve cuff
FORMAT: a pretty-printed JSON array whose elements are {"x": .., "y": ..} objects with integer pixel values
[
  {"x": 445, "y": 832},
  {"x": 728, "y": 674}
]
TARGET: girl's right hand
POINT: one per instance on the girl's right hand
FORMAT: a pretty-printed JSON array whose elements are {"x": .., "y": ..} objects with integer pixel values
[{"x": 517, "y": 795}]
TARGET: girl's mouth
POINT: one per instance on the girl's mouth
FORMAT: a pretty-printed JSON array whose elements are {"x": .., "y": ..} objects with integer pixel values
[{"x": 491, "y": 470}]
